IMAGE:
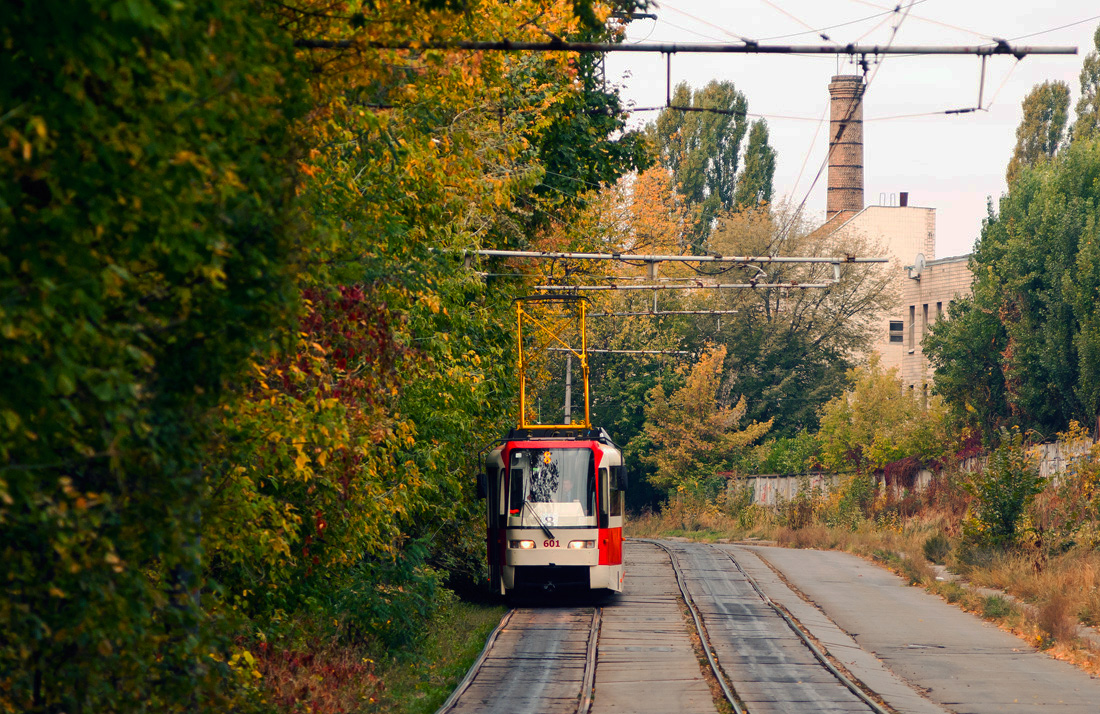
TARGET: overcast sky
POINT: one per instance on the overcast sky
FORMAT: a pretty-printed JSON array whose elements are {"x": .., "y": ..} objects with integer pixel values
[{"x": 950, "y": 163}]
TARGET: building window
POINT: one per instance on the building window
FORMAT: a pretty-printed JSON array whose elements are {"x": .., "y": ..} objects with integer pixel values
[
  {"x": 924, "y": 322},
  {"x": 912, "y": 327},
  {"x": 897, "y": 331},
  {"x": 939, "y": 311}
]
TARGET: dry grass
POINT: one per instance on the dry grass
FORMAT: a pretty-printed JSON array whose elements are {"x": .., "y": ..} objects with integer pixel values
[
  {"x": 703, "y": 521},
  {"x": 1069, "y": 582},
  {"x": 1057, "y": 619}
]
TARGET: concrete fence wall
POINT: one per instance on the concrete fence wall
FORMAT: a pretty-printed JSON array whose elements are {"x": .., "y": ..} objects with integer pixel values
[
  {"x": 1052, "y": 457},
  {"x": 772, "y": 489}
]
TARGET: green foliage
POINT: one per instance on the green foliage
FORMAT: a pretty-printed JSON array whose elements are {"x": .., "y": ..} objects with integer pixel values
[
  {"x": 754, "y": 185},
  {"x": 624, "y": 415},
  {"x": 384, "y": 601},
  {"x": 855, "y": 500},
  {"x": 799, "y": 511},
  {"x": 876, "y": 422},
  {"x": 581, "y": 143},
  {"x": 1042, "y": 129},
  {"x": 241, "y": 380},
  {"x": 1002, "y": 493},
  {"x": 145, "y": 226},
  {"x": 995, "y": 607},
  {"x": 693, "y": 434},
  {"x": 787, "y": 454},
  {"x": 965, "y": 351},
  {"x": 702, "y": 149},
  {"x": 1028, "y": 338},
  {"x": 1088, "y": 104}
]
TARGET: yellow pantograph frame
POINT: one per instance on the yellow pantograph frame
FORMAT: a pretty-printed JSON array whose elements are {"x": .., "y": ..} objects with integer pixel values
[{"x": 552, "y": 333}]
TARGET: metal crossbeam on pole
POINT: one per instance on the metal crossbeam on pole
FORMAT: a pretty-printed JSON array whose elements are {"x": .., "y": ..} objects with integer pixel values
[
  {"x": 646, "y": 258},
  {"x": 630, "y": 352},
  {"x": 658, "y": 313},
  {"x": 670, "y": 48},
  {"x": 700, "y": 286}
]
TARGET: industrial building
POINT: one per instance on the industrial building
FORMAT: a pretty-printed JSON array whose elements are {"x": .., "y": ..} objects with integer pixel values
[{"x": 926, "y": 284}]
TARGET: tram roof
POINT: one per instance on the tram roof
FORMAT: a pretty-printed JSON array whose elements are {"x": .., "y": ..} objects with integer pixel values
[{"x": 560, "y": 434}]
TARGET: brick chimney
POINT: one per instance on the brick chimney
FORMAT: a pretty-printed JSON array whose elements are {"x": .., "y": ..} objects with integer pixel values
[{"x": 845, "y": 145}]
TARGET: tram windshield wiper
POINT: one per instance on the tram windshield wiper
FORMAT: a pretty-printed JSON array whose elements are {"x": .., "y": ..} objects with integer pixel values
[{"x": 546, "y": 531}]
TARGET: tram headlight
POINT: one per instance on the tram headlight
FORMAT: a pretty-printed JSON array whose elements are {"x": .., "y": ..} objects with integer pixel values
[
  {"x": 582, "y": 544},
  {"x": 522, "y": 544}
]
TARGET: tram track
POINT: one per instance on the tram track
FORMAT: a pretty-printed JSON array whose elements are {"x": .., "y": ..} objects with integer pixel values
[
  {"x": 533, "y": 662},
  {"x": 700, "y": 629},
  {"x": 725, "y": 680},
  {"x": 851, "y": 684},
  {"x": 550, "y": 659}
]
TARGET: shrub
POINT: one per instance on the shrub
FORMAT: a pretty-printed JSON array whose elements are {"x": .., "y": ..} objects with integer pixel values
[
  {"x": 995, "y": 606},
  {"x": 953, "y": 592},
  {"x": 147, "y": 233},
  {"x": 1002, "y": 493},
  {"x": 937, "y": 548},
  {"x": 855, "y": 500},
  {"x": 799, "y": 511}
]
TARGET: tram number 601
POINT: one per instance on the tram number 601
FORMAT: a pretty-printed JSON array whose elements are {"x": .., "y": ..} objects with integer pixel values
[{"x": 551, "y": 544}]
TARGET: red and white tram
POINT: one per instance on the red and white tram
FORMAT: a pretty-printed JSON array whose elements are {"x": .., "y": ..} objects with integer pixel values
[{"x": 555, "y": 510}]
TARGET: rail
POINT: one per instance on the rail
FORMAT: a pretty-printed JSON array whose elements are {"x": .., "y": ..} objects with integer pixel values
[
  {"x": 588, "y": 682},
  {"x": 699, "y": 628},
  {"x": 821, "y": 656},
  {"x": 449, "y": 705},
  {"x": 588, "y": 679}
]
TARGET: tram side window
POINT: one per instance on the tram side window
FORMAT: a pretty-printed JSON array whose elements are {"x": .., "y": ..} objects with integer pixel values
[
  {"x": 602, "y": 481},
  {"x": 591, "y": 490},
  {"x": 515, "y": 488},
  {"x": 616, "y": 487},
  {"x": 492, "y": 473},
  {"x": 603, "y": 501}
]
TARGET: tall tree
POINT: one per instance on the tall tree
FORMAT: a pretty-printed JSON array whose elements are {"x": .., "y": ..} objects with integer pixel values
[
  {"x": 1042, "y": 129},
  {"x": 754, "y": 185},
  {"x": 965, "y": 351},
  {"x": 1032, "y": 323},
  {"x": 702, "y": 149},
  {"x": 1088, "y": 105},
  {"x": 222, "y": 296}
]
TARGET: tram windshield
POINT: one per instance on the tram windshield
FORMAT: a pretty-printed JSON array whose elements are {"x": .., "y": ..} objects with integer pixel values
[{"x": 554, "y": 486}]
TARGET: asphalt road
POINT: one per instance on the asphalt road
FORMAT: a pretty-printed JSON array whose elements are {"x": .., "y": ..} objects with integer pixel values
[{"x": 958, "y": 660}]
